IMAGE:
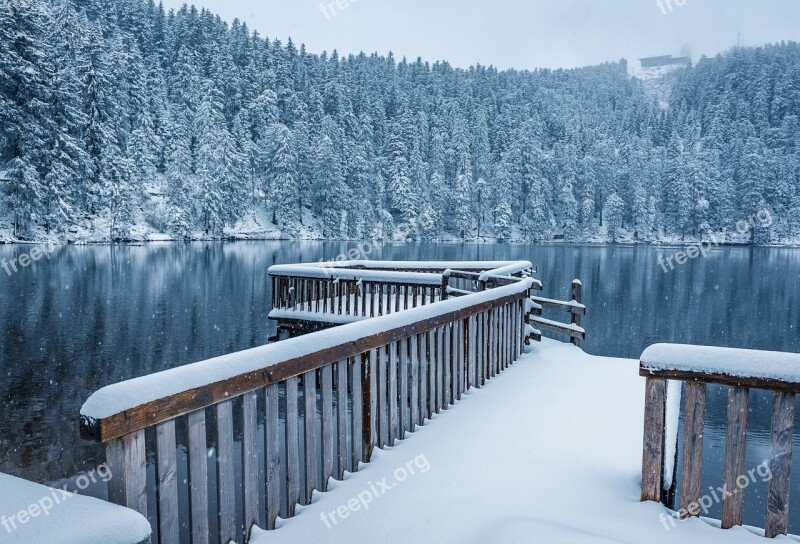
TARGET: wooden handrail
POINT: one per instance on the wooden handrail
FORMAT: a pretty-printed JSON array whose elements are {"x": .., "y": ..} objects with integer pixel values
[{"x": 137, "y": 417}]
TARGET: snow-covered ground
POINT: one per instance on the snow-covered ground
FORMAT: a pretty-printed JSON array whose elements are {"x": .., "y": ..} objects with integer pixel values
[
  {"x": 550, "y": 451},
  {"x": 35, "y": 514}
]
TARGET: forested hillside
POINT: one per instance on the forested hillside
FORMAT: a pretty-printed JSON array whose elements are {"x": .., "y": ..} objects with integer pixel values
[{"x": 115, "y": 114}]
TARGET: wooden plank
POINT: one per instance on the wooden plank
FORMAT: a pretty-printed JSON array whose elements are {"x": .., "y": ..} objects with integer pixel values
[
  {"x": 383, "y": 419},
  {"x": 722, "y": 379},
  {"x": 780, "y": 464},
  {"x": 452, "y": 343},
  {"x": 486, "y": 347},
  {"x": 341, "y": 417},
  {"x": 501, "y": 337},
  {"x": 198, "y": 477},
  {"x": 292, "y": 447},
  {"x": 448, "y": 364},
  {"x": 326, "y": 398},
  {"x": 397, "y": 289},
  {"x": 414, "y": 419},
  {"x": 356, "y": 374},
  {"x": 423, "y": 378},
  {"x": 366, "y": 404},
  {"x": 492, "y": 343},
  {"x": 735, "y": 443},
  {"x": 470, "y": 341},
  {"x": 392, "y": 370},
  {"x": 559, "y": 305},
  {"x": 440, "y": 364},
  {"x": 403, "y": 416},
  {"x": 273, "y": 454},
  {"x": 226, "y": 481},
  {"x": 167, "y": 475},
  {"x": 508, "y": 335},
  {"x": 480, "y": 350},
  {"x": 518, "y": 331},
  {"x": 694, "y": 412},
  {"x": 655, "y": 401},
  {"x": 127, "y": 461},
  {"x": 250, "y": 480},
  {"x": 310, "y": 433},
  {"x": 432, "y": 369}
]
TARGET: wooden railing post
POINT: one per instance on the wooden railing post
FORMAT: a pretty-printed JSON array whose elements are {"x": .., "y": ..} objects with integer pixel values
[
  {"x": 780, "y": 464},
  {"x": 655, "y": 401},
  {"x": 694, "y": 411},
  {"x": 369, "y": 398},
  {"x": 735, "y": 442},
  {"x": 127, "y": 463},
  {"x": 577, "y": 291}
]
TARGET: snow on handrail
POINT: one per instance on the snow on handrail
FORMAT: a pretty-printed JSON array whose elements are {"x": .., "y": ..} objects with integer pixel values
[
  {"x": 409, "y": 265},
  {"x": 738, "y": 363},
  {"x": 507, "y": 270},
  {"x": 261, "y": 363},
  {"x": 304, "y": 271}
]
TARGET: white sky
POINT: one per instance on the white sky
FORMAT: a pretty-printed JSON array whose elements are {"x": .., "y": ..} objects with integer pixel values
[{"x": 516, "y": 33}]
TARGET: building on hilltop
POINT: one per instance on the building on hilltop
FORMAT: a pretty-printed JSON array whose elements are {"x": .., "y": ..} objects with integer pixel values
[{"x": 664, "y": 60}]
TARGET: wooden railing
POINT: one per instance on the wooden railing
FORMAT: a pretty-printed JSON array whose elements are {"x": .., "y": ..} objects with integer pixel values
[
  {"x": 739, "y": 370},
  {"x": 574, "y": 307},
  {"x": 308, "y": 297},
  {"x": 306, "y": 409}
]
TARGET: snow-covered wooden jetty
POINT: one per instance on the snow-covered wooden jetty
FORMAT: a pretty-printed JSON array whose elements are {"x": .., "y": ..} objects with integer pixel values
[
  {"x": 241, "y": 442},
  {"x": 410, "y": 339}
]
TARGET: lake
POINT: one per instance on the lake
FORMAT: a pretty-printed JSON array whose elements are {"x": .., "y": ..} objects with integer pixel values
[{"x": 88, "y": 316}]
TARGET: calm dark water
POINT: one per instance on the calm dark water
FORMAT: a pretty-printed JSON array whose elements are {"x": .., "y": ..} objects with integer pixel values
[{"x": 93, "y": 315}]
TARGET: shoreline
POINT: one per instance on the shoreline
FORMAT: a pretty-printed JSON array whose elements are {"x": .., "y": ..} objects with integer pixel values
[{"x": 474, "y": 241}]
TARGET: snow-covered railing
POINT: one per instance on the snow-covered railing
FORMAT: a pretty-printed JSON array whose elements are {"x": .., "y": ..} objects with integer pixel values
[
  {"x": 573, "y": 307},
  {"x": 309, "y": 408},
  {"x": 740, "y": 370},
  {"x": 307, "y": 297}
]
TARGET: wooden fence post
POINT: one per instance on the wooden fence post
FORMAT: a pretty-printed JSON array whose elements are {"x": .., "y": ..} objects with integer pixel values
[
  {"x": 653, "y": 450},
  {"x": 577, "y": 291}
]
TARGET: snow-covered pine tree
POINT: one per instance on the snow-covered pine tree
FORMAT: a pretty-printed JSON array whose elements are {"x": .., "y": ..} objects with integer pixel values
[
  {"x": 613, "y": 212},
  {"x": 282, "y": 175}
]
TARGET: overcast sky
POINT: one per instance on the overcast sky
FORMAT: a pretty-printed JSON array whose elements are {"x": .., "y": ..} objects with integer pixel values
[{"x": 517, "y": 33}]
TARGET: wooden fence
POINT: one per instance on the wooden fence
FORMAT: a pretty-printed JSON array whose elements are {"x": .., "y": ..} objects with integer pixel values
[
  {"x": 574, "y": 307},
  {"x": 310, "y": 297},
  {"x": 740, "y": 371},
  {"x": 242, "y": 439}
]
